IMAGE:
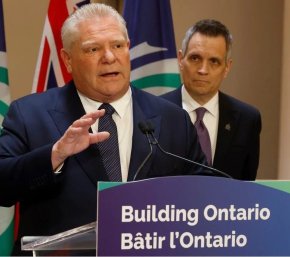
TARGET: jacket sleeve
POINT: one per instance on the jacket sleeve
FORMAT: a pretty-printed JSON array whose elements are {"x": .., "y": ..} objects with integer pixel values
[{"x": 22, "y": 169}]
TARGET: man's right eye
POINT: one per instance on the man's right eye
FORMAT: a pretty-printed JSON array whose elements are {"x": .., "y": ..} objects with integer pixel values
[
  {"x": 93, "y": 49},
  {"x": 194, "y": 58},
  {"x": 90, "y": 50}
]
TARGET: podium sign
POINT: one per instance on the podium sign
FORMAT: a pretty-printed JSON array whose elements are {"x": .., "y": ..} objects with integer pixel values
[{"x": 193, "y": 216}]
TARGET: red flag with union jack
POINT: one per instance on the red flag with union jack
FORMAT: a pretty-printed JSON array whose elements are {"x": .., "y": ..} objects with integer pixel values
[{"x": 50, "y": 70}]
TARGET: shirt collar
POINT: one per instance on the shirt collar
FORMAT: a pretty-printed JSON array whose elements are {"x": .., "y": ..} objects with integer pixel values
[
  {"x": 119, "y": 105},
  {"x": 189, "y": 104}
]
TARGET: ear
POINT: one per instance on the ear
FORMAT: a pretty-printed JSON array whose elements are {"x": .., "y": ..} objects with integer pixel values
[
  {"x": 180, "y": 57},
  {"x": 65, "y": 56},
  {"x": 229, "y": 64}
]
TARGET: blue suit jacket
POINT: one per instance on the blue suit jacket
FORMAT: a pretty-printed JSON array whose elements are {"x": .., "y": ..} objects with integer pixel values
[
  {"x": 238, "y": 136},
  {"x": 54, "y": 203}
]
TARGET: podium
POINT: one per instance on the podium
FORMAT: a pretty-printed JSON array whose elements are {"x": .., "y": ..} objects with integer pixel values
[
  {"x": 80, "y": 241},
  {"x": 180, "y": 216}
]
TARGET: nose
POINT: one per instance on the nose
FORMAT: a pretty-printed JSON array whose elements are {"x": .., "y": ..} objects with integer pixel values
[
  {"x": 108, "y": 56},
  {"x": 203, "y": 68}
]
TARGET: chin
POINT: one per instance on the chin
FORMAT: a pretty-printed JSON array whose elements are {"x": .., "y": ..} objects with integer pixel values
[{"x": 201, "y": 92}]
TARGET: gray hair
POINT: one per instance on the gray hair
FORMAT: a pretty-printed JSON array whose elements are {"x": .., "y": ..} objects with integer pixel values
[
  {"x": 69, "y": 27},
  {"x": 211, "y": 28}
]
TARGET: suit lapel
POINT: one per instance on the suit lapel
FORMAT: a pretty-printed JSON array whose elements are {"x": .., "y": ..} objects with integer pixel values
[
  {"x": 228, "y": 119},
  {"x": 68, "y": 109}
]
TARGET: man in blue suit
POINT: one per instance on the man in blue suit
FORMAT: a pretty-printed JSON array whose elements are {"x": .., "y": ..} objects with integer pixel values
[
  {"x": 50, "y": 159},
  {"x": 234, "y": 127}
]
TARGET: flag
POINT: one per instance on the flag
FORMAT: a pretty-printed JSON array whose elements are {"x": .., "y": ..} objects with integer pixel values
[
  {"x": 153, "y": 51},
  {"x": 4, "y": 90},
  {"x": 6, "y": 214},
  {"x": 50, "y": 70}
]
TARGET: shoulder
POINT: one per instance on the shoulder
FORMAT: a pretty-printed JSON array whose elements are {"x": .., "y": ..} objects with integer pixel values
[
  {"x": 230, "y": 102},
  {"x": 149, "y": 102},
  {"x": 172, "y": 95},
  {"x": 45, "y": 99}
]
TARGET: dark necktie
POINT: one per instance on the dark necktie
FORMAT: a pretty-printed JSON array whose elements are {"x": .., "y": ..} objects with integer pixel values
[
  {"x": 109, "y": 148},
  {"x": 202, "y": 133}
]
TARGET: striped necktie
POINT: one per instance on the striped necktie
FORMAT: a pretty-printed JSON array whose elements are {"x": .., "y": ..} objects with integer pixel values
[{"x": 109, "y": 148}]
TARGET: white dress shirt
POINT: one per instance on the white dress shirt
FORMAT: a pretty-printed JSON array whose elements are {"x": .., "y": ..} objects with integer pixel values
[
  {"x": 123, "y": 118},
  {"x": 210, "y": 119}
]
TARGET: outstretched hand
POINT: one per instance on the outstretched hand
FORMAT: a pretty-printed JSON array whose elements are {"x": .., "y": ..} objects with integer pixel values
[{"x": 77, "y": 138}]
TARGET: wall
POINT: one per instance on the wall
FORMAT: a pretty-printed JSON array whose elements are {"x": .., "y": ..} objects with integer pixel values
[{"x": 255, "y": 78}]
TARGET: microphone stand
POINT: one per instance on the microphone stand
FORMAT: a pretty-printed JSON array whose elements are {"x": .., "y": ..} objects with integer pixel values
[
  {"x": 150, "y": 130},
  {"x": 144, "y": 130}
]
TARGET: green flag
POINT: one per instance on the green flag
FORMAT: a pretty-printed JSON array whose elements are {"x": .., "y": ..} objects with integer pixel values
[{"x": 6, "y": 214}]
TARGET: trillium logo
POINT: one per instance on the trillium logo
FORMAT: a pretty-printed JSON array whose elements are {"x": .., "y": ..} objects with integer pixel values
[
  {"x": 153, "y": 51},
  {"x": 157, "y": 77}
]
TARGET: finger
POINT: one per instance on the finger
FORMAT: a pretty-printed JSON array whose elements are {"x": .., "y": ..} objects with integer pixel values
[
  {"x": 95, "y": 115},
  {"x": 83, "y": 123},
  {"x": 72, "y": 132},
  {"x": 88, "y": 119},
  {"x": 99, "y": 137}
]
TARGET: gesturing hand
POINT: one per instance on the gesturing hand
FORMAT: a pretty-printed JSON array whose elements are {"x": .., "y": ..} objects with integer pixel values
[{"x": 77, "y": 138}]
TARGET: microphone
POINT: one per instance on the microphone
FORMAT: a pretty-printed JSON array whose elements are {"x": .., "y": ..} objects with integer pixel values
[
  {"x": 144, "y": 128},
  {"x": 148, "y": 129}
]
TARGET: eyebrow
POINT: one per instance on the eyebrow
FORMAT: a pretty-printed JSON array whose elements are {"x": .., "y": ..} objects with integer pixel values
[
  {"x": 89, "y": 43},
  {"x": 93, "y": 43}
]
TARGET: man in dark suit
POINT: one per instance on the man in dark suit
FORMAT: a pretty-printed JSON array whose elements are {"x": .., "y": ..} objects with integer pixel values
[
  {"x": 234, "y": 127},
  {"x": 50, "y": 159}
]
